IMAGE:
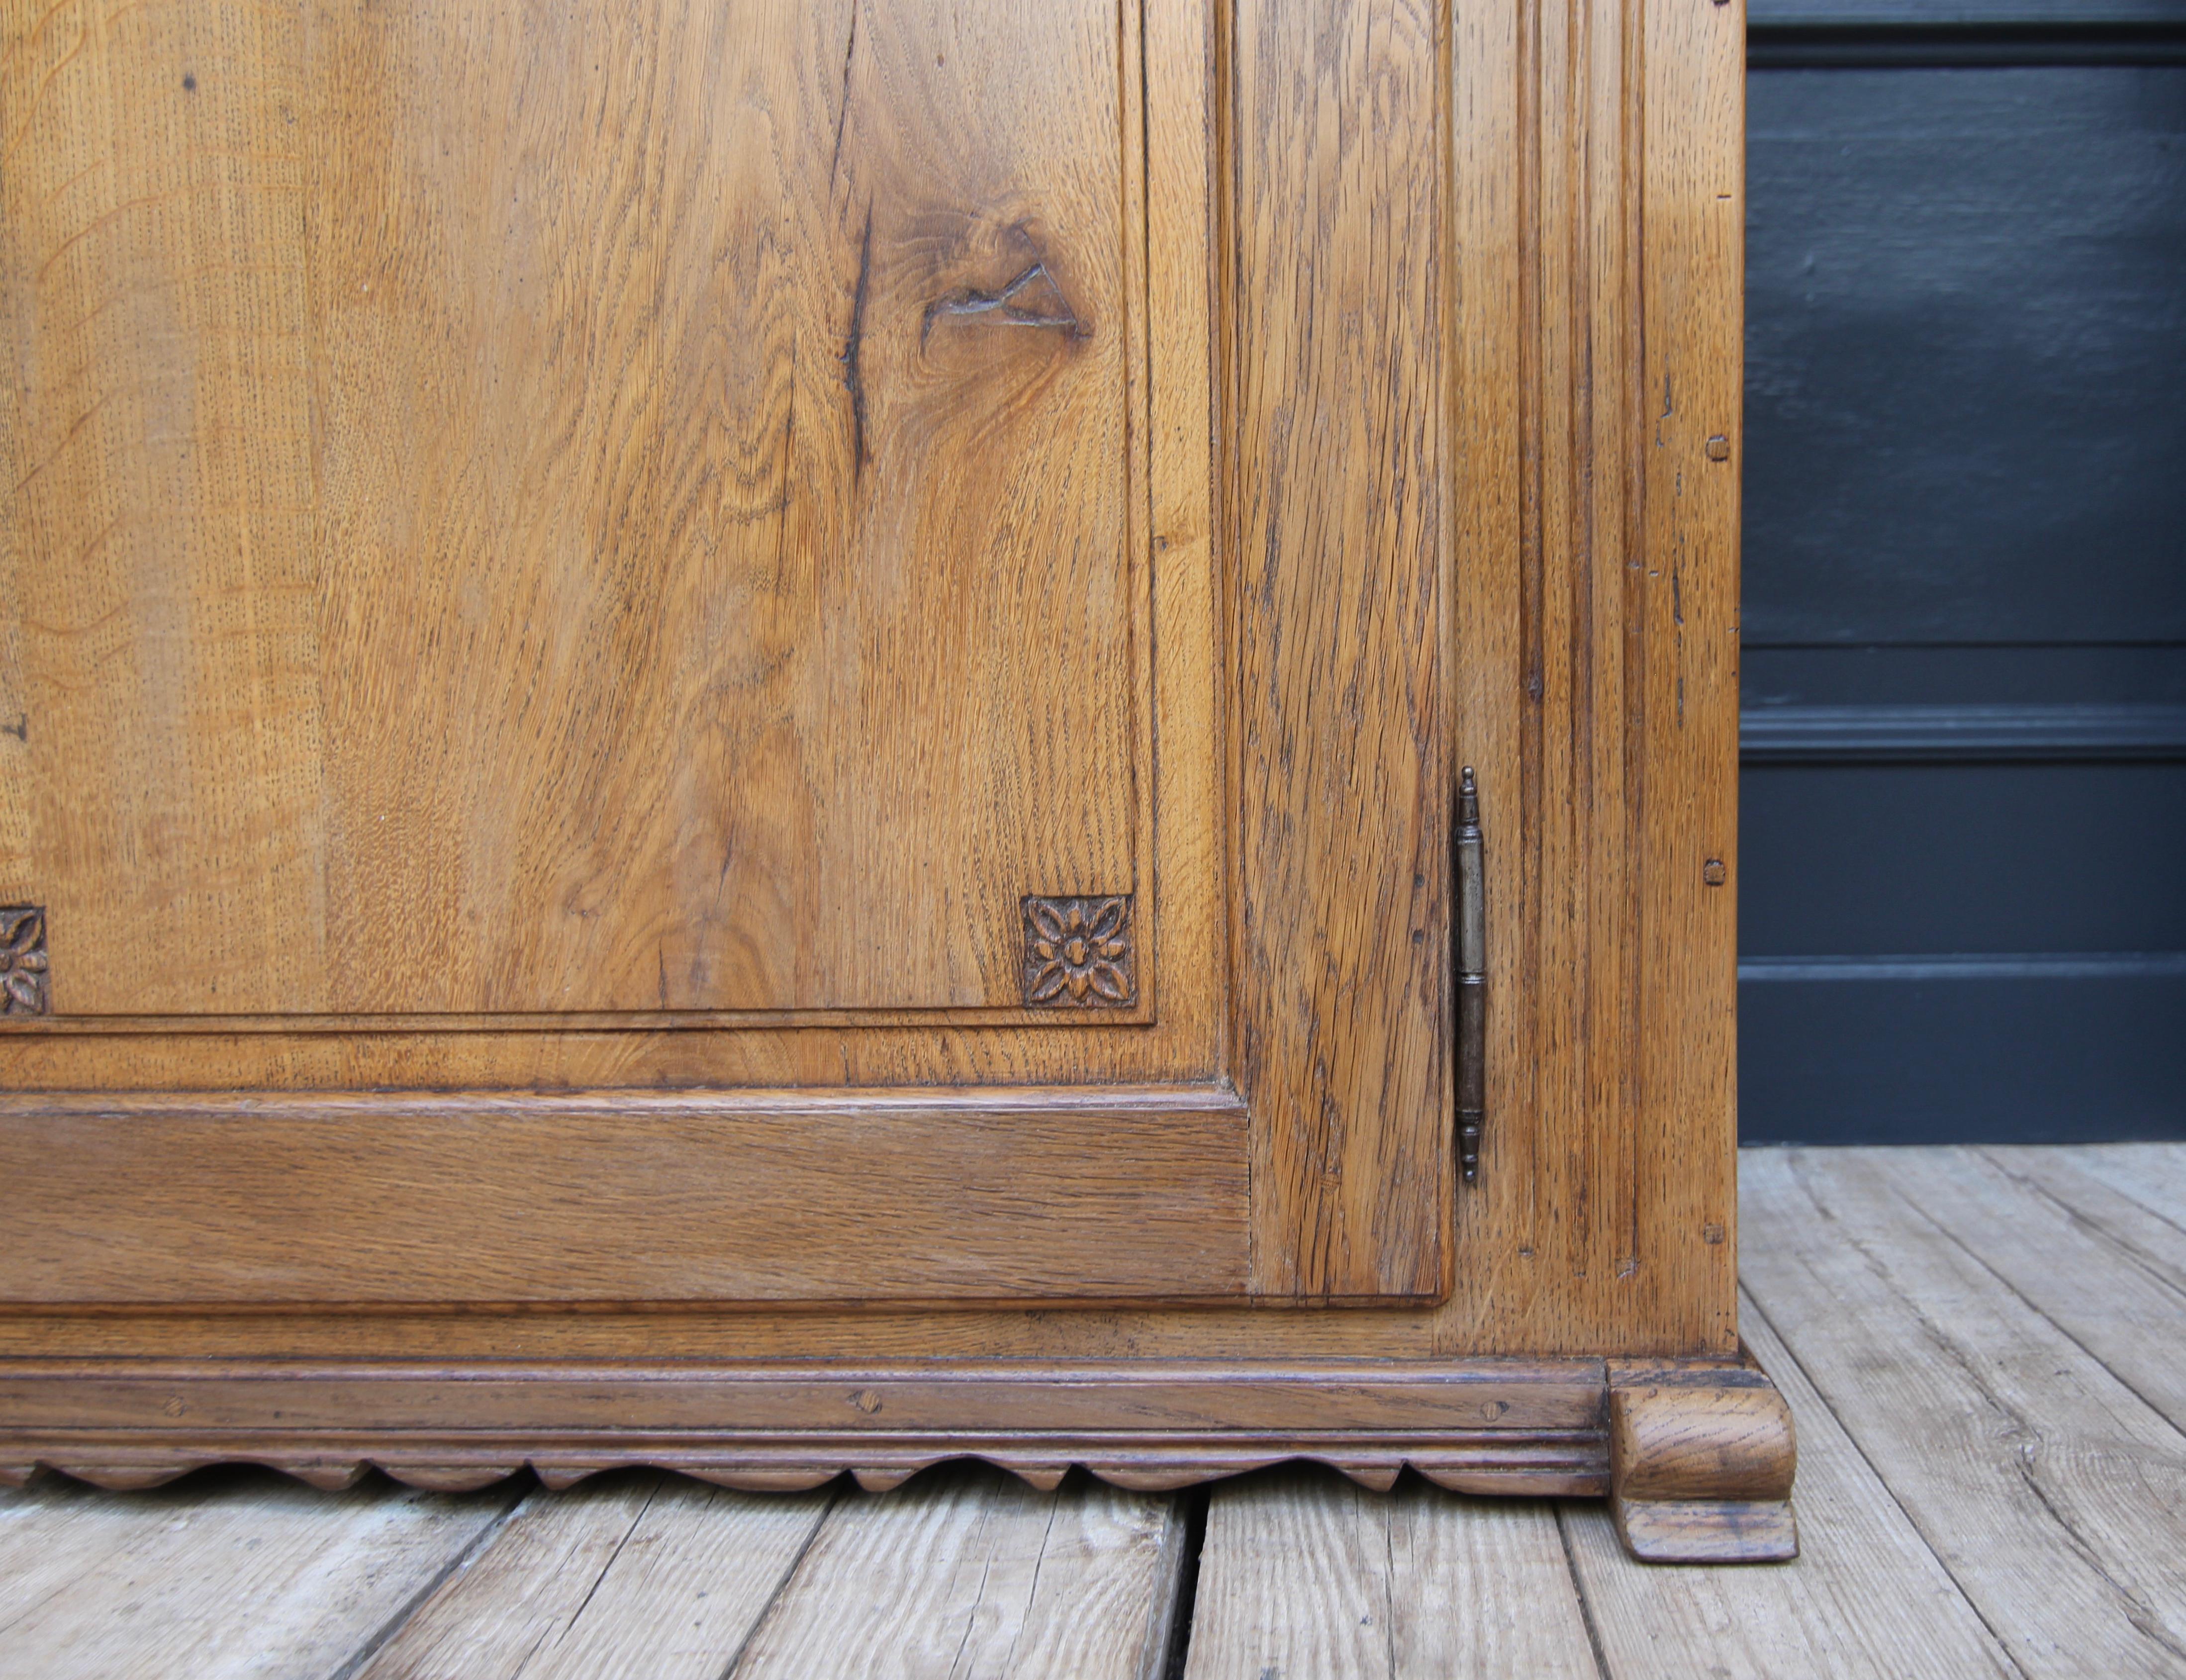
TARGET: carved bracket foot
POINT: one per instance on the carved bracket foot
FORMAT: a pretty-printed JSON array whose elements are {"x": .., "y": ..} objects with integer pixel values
[{"x": 1700, "y": 1461}]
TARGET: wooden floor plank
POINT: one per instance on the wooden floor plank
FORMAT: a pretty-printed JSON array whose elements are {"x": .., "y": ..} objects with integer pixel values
[
  {"x": 2133, "y": 1194},
  {"x": 1305, "y": 1576},
  {"x": 2055, "y": 1496},
  {"x": 1866, "y": 1597},
  {"x": 2100, "y": 1265},
  {"x": 2154, "y": 1175},
  {"x": 633, "y": 1573},
  {"x": 965, "y": 1571},
  {"x": 228, "y": 1572}
]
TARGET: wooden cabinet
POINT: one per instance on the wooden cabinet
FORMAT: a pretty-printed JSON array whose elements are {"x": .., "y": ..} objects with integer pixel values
[{"x": 732, "y": 733}]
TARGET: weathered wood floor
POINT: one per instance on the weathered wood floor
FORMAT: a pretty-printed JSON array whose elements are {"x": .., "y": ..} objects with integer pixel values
[{"x": 1986, "y": 1350}]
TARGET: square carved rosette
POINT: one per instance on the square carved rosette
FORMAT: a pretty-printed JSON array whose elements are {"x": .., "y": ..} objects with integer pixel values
[
  {"x": 24, "y": 977},
  {"x": 1079, "y": 952}
]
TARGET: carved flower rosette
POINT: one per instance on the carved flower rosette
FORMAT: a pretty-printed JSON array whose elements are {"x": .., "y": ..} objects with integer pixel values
[
  {"x": 23, "y": 977},
  {"x": 1078, "y": 953}
]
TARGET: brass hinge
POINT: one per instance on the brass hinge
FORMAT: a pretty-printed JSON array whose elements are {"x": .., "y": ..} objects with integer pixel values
[{"x": 1471, "y": 979}]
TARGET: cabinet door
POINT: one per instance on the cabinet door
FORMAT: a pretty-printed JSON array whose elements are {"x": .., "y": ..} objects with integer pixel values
[{"x": 623, "y": 683}]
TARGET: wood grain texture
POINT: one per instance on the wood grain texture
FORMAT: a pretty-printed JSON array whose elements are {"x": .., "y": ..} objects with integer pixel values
[
  {"x": 2049, "y": 1491},
  {"x": 1867, "y": 1600},
  {"x": 635, "y": 1574},
  {"x": 623, "y": 1196},
  {"x": 1673, "y": 1442},
  {"x": 2150, "y": 1176},
  {"x": 2107, "y": 1269},
  {"x": 162, "y": 643},
  {"x": 1303, "y": 1575},
  {"x": 1581, "y": 484},
  {"x": 976, "y": 1574},
  {"x": 1708, "y": 1530},
  {"x": 1701, "y": 1465},
  {"x": 1140, "y": 375},
  {"x": 876, "y": 1399},
  {"x": 1595, "y": 316},
  {"x": 633, "y": 518},
  {"x": 231, "y": 1574},
  {"x": 1337, "y": 468},
  {"x": 2131, "y": 1196}
]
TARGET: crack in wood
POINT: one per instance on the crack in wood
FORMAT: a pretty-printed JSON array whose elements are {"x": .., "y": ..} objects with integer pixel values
[{"x": 854, "y": 344}]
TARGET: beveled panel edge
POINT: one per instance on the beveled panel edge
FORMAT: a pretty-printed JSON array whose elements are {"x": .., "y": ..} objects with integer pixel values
[
  {"x": 1136, "y": 1014},
  {"x": 724, "y": 1101}
]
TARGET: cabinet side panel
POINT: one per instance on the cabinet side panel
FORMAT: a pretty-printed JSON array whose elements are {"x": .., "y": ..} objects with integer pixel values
[
  {"x": 1335, "y": 542},
  {"x": 1597, "y": 329},
  {"x": 1694, "y": 322}
]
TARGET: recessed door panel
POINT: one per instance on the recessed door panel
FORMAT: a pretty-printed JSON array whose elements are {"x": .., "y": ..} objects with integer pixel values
[{"x": 536, "y": 509}]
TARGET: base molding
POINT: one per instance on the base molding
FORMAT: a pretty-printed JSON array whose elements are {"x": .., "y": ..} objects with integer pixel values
[
  {"x": 1571, "y": 1428},
  {"x": 1532, "y": 1464}
]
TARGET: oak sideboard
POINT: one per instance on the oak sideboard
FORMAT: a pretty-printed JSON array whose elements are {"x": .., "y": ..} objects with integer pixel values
[{"x": 790, "y": 736}]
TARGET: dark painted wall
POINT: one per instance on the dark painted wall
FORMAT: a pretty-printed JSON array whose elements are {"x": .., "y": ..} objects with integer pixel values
[{"x": 1964, "y": 800}]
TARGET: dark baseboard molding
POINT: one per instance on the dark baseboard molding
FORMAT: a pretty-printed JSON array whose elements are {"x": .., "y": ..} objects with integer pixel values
[
  {"x": 1862, "y": 734},
  {"x": 1977, "y": 46},
  {"x": 2006, "y": 965},
  {"x": 1963, "y": 13}
]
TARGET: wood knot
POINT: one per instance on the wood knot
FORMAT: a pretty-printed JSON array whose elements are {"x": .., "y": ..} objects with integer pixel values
[
  {"x": 1033, "y": 299},
  {"x": 865, "y": 1401}
]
